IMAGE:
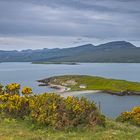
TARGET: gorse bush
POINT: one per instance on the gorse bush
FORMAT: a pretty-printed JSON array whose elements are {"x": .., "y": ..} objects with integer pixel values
[
  {"x": 12, "y": 88},
  {"x": 49, "y": 109},
  {"x": 132, "y": 117},
  {"x": 14, "y": 105}
]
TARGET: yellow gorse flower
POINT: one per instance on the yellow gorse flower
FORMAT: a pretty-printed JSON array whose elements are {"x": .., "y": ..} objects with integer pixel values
[
  {"x": 132, "y": 117},
  {"x": 26, "y": 91},
  {"x": 136, "y": 110},
  {"x": 13, "y": 86}
]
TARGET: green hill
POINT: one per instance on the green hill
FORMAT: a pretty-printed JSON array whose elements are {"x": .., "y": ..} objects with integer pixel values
[{"x": 112, "y": 86}]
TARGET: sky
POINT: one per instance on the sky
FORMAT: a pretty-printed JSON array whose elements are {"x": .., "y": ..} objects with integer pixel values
[{"x": 35, "y": 24}]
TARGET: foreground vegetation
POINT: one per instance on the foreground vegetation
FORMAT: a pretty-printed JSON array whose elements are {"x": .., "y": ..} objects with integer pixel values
[
  {"x": 15, "y": 129},
  {"x": 132, "y": 117},
  {"x": 48, "y": 109},
  {"x": 47, "y": 116},
  {"x": 113, "y": 86}
]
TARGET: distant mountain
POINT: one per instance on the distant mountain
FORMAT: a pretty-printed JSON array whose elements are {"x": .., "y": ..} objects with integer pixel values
[
  {"x": 117, "y": 51},
  {"x": 117, "y": 44}
]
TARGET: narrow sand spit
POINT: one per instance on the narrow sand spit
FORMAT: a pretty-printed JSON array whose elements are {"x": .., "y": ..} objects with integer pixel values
[
  {"x": 65, "y": 91},
  {"x": 58, "y": 87},
  {"x": 75, "y": 93}
]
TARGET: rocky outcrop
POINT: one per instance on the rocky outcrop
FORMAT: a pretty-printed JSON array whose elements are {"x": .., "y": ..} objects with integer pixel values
[{"x": 122, "y": 93}]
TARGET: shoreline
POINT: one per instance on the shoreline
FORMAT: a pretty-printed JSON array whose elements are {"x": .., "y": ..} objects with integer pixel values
[
  {"x": 63, "y": 89},
  {"x": 74, "y": 93}
]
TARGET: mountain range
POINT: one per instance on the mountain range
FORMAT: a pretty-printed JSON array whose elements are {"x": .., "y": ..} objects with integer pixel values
[{"x": 117, "y": 51}]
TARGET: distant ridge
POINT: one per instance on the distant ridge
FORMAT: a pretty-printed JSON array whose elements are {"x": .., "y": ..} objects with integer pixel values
[
  {"x": 117, "y": 51},
  {"x": 119, "y": 44}
]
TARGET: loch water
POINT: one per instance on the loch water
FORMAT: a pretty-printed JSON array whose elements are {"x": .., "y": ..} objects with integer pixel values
[{"x": 27, "y": 74}]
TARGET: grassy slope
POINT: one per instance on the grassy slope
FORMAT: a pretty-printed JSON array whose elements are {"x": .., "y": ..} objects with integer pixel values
[
  {"x": 15, "y": 130},
  {"x": 98, "y": 83}
]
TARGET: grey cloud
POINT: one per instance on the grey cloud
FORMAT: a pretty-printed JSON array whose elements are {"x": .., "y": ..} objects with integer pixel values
[
  {"x": 98, "y": 5},
  {"x": 102, "y": 19}
]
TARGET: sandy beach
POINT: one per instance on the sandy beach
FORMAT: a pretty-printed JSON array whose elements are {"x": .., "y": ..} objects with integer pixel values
[
  {"x": 74, "y": 93},
  {"x": 65, "y": 91}
]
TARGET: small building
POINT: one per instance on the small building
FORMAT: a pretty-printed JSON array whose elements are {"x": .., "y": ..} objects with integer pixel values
[
  {"x": 67, "y": 89},
  {"x": 82, "y": 86}
]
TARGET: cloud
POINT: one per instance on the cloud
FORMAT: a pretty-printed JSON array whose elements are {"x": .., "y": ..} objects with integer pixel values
[
  {"x": 97, "y": 19},
  {"x": 39, "y": 42}
]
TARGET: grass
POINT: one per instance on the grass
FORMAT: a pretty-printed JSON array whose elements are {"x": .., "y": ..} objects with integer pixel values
[
  {"x": 11, "y": 129},
  {"x": 96, "y": 83}
]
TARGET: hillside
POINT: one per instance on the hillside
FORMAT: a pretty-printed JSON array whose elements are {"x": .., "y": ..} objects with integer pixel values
[
  {"x": 12, "y": 129},
  {"x": 118, "y": 51}
]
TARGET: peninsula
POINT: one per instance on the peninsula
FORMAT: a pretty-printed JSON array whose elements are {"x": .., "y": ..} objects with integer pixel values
[{"x": 73, "y": 83}]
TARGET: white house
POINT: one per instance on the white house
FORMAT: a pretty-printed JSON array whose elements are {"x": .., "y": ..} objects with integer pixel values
[{"x": 82, "y": 86}]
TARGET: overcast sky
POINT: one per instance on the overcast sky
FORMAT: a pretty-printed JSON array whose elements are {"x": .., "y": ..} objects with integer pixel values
[{"x": 67, "y": 23}]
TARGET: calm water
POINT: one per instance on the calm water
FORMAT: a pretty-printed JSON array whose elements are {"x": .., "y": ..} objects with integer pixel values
[{"x": 26, "y": 74}]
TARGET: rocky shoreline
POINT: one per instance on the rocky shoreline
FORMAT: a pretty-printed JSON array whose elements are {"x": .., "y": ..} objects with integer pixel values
[{"x": 122, "y": 93}]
